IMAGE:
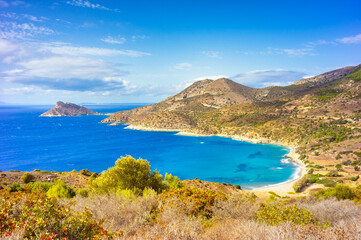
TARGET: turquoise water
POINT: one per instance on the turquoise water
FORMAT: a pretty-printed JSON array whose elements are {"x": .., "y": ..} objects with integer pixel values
[{"x": 29, "y": 142}]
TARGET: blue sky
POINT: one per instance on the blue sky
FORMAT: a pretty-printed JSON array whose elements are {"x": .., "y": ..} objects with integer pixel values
[{"x": 143, "y": 51}]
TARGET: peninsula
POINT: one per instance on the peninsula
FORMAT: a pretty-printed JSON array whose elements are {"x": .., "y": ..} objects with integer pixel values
[{"x": 319, "y": 117}]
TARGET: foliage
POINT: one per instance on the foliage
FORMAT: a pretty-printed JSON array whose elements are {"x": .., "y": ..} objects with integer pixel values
[
  {"x": 85, "y": 172},
  {"x": 27, "y": 177},
  {"x": 193, "y": 201},
  {"x": 36, "y": 186},
  {"x": 332, "y": 173},
  {"x": 41, "y": 217},
  {"x": 173, "y": 181},
  {"x": 128, "y": 173},
  {"x": 60, "y": 190},
  {"x": 354, "y": 178},
  {"x": 276, "y": 213},
  {"x": 303, "y": 182},
  {"x": 341, "y": 192},
  {"x": 15, "y": 187}
]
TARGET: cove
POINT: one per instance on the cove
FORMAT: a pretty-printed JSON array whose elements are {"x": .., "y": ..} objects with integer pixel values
[{"x": 29, "y": 142}]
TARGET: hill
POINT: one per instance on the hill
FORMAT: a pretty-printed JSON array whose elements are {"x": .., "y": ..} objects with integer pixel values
[
  {"x": 320, "y": 116},
  {"x": 62, "y": 109}
]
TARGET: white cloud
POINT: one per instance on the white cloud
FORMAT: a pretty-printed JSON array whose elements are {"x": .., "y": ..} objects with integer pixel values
[
  {"x": 79, "y": 51},
  {"x": 12, "y": 30},
  {"x": 183, "y": 66},
  {"x": 264, "y": 78},
  {"x": 292, "y": 52},
  {"x": 68, "y": 73},
  {"x": 87, "y": 4},
  {"x": 136, "y": 37},
  {"x": 4, "y": 3},
  {"x": 211, "y": 54},
  {"x": 350, "y": 39},
  {"x": 22, "y": 17},
  {"x": 114, "y": 40}
]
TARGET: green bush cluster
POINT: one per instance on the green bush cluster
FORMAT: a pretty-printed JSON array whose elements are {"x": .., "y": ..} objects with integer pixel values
[
  {"x": 276, "y": 213},
  {"x": 303, "y": 182},
  {"x": 341, "y": 192},
  {"x": 60, "y": 190},
  {"x": 27, "y": 177},
  {"x": 128, "y": 173}
]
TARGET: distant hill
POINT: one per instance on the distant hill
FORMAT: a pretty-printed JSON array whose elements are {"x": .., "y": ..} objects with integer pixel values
[{"x": 62, "y": 109}]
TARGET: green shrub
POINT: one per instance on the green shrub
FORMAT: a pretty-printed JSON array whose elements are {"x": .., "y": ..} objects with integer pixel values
[
  {"x": 85, "y": 172},
  {"x": 328, "y": 182},
  {"x": 15, "y": 187},
  {"x": 354, "y": 178},
  {"x": 338, "y": 166},
  {"x": 27, "y": 177},
  {"x": 36, "y": 186},
  {"x": 173, "y": 181},
  {"x": 274, "y": 214},
  {"x": 128, "y": 173},
  {"x": 341, "y": 192},
  {"x": 36, "y": 216},
  {"x": 303, "y": 182},
  {"x": 332, "y": 173},
  {"x": 60, "y": 190}
]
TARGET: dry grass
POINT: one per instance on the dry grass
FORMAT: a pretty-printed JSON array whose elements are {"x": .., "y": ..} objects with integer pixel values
[
  {"x": 119, "y": 213},
  {"x": 233, "y": 218}
]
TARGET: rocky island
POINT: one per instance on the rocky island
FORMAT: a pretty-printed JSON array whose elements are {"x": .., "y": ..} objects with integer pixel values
[{"x": 62, "y": 109}]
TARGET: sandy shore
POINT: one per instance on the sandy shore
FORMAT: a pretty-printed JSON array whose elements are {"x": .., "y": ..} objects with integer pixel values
[{"x": 284, "y": 187}]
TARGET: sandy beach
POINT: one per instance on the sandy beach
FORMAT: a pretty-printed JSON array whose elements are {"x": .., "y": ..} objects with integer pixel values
[{"x": 281, "y": 188}]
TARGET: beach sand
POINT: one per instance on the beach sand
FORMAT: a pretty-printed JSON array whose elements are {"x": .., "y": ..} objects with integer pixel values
[{"x": 280, "y": 188}]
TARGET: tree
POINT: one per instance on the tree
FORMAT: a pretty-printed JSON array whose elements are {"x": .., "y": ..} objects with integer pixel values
[{"x": 128, "y": 173}]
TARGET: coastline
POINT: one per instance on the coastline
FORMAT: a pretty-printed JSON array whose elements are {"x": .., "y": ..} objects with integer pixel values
[{"x": 282, "y": 187}]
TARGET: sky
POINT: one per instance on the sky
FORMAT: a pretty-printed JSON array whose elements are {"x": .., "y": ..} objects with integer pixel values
[{"x": 137, "y": 51}]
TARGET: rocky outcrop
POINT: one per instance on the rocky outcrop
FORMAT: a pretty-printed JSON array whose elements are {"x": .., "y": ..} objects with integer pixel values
[{"x": 62, "y": 109}]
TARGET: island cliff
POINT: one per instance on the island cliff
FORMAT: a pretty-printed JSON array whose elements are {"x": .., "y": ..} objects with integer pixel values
[{"x": 62, "y": 109}]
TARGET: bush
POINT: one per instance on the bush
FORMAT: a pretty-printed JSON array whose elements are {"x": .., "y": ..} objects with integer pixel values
[
  {"x": 274, "y": 214},
  {"x": 328, "y": 183},
  {"x": 36, "y": 186},
  {"x": 354, "y": 178},
  {"x": 341, "y": 192},
  {"x": 192, "y": 201},
  {"x": 85, "y": 172},
  {"x": 173, "y": 181},
  {"x": 332, "y": 173},
  {"x": 303, "y": 182},
  {"x": 15, "y": 187},
  {"x": 27, "y": 177},
  {"x": 60, "y": 190},
  {"x": 40, "y": 217},
  {"x": 128, "y": 173}
]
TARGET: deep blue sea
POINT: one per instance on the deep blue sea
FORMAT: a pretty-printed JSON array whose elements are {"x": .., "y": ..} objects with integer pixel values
[{"x": 29, "y": 142}]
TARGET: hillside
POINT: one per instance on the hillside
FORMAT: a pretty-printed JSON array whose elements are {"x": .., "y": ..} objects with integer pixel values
[
  {"x": 321, "y": 116},
  {"x": 62, "y": 109}
]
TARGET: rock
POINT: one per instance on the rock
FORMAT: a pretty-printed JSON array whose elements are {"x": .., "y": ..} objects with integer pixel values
[{"x": 62, "y": 109}]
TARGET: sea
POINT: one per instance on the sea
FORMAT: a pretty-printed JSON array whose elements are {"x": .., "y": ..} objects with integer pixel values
[{"x": 29, "y": 142}]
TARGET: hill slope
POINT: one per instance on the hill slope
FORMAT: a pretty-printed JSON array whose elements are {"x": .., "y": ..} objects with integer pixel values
[{"x": 322, "y": 117}]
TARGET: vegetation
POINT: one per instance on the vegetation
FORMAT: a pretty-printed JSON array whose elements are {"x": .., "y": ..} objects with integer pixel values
[
  {"x": 128, "y": 173},
  {"x": 128, "y": 209},
  {"x": 27, "y": 177}
]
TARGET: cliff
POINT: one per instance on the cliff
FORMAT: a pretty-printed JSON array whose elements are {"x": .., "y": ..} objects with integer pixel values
[{"x": 62, "y": 109}]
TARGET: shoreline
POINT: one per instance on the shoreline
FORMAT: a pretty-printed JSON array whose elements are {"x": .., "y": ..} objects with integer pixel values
[{"x": 282, "y": 187}]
